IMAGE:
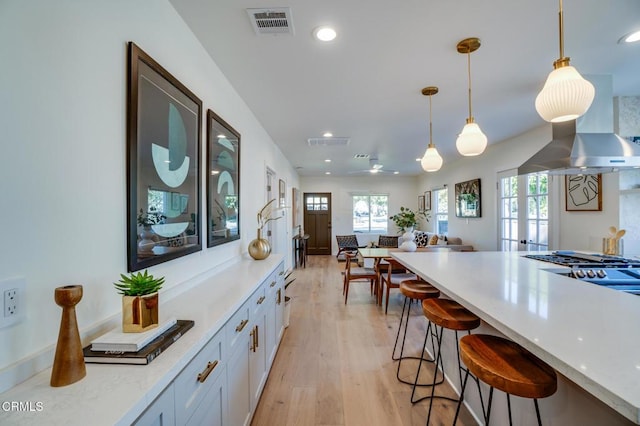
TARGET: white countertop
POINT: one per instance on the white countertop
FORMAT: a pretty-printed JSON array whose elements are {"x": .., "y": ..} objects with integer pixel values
[
  {"x": 589, "y": 334},
  {"x": 118, "y": 394}
]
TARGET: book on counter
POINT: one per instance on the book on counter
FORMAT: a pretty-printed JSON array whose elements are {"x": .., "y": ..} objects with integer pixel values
[
  {"x": 117, "y": 340},
  {"x": 145, "y": 355}
]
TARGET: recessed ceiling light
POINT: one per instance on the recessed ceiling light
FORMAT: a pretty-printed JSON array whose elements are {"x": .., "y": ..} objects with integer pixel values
[
  {"x": 221, "y": 136},
  {"x": 327, "y": 173},
  {"x": 324, "y": 33},
  {"x": 328, "y": 135},
  {"x": 418, "y": 159},
  {"x": 328, "y": 160},
  {"x": 396, "y": 173},
  {"x": 630, "y": 38}
]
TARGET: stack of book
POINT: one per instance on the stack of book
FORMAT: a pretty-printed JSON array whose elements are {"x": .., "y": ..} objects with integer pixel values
[{"x": 116, "y": 347}]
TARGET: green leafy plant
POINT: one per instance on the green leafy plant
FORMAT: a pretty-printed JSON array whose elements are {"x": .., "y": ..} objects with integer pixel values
[
  {"x": 138, "y": 284},
  {"x": 152, "y": 218},
  {"x": 407, "y": 218}
]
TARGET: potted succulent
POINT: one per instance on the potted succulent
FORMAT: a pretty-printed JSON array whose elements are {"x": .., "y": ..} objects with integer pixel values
[
  {"x": 140, "y": 301},
  {"x": 288, "y": 279}
]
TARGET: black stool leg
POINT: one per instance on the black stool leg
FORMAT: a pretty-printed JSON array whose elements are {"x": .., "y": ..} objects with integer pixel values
[
  {"x": 509, "y": 409},
  {"x": 464, "y": 384},
  {"x": 395, "y": 345},
  {"x": 535, "y": 402}
]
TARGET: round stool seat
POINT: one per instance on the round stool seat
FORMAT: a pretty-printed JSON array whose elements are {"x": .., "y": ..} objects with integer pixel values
[
  {"x": 507, "y": 366},
  {"x": 420, "y": 290},
  {"x": 449, "y": 314}
]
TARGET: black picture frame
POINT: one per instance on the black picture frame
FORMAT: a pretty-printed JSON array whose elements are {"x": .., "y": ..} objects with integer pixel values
[
  {"x": 223, "y": 181},
  {"x": 468, "y": 201},
  {"x": 163, "y": 164},
  {"x": 421, "y": 203},
  {"x": 427, "y": 200}
]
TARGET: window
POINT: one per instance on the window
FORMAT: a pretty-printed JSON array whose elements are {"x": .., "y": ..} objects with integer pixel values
[
  {"x": 441, "y": 214},
  {"x": 524, "y": 214},
  {"x": 370, "y": 213}
]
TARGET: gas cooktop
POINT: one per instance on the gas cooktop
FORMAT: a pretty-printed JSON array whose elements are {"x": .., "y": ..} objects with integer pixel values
[{"x": 585, "y": 260}]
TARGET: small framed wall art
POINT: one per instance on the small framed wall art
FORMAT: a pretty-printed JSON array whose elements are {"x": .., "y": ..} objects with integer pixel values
[
  {"x": 583, "y": 193},
  {"x": 223, "y": 181},
  {"x": 427, "y": 200},
  {"x": 421, "y": 206},
  {"x": 468, "y": 200}
]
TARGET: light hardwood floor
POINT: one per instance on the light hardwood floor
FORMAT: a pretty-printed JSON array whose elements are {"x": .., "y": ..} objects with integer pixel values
[{"x": 334, "y": 364}]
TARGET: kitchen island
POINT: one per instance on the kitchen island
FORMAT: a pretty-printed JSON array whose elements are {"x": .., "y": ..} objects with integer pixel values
[{"x": 587, "y": 333}]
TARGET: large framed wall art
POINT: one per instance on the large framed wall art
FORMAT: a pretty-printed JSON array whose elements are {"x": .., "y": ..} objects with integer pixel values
[
  {"x": 223, "y": 181},
  {"x": 163, "y": 164},
  {"x": 468, "y": 200},
  {"x": 583, "y": 193}
]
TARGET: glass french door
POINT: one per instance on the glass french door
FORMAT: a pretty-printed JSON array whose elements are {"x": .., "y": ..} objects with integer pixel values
[{"x": 524, "y": 211}]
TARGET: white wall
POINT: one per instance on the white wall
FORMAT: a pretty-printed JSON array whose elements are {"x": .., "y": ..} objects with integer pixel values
[
  {"x": 63, "y": 178},
  {"x": 574, "y": 230},
  {"x": 402, "y": 191}
]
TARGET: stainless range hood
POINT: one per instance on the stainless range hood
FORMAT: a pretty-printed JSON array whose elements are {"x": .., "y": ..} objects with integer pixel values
[{"x": 588, "y": 145}]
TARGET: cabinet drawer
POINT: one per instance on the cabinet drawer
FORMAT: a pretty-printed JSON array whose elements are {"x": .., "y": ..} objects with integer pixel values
[
  {"x": 193, "y": 383},
  {"x": 237, "y": 328},
  {"x": 257, "y": 300},
  {"x": 272, "y": 283}
]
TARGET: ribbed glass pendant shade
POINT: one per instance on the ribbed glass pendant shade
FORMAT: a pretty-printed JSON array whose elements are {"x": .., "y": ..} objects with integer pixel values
[
  {"x": 566, "y": 95},
  {"x": 471, "y": 141},
  {"x": 431, "y": 161}
]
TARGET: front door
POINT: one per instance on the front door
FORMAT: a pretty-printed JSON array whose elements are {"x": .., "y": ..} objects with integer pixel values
[{"x": 317, "y": 222}]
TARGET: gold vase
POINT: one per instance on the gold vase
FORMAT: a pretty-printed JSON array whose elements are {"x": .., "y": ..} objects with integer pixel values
[
  {"x": 259, "y": 248},
  {"x": 139, "y": 313}
]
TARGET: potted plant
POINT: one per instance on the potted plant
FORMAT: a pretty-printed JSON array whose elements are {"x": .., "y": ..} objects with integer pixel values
[
  {"x": 288, "y": 279},
  {"x": 407, "y": 219},
  {"x": 140, "y": 301}
]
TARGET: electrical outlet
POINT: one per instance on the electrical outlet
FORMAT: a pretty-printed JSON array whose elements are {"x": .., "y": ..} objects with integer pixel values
[
  {"x": 12, "y": 299},
  {"x": 10, "y": 302}
]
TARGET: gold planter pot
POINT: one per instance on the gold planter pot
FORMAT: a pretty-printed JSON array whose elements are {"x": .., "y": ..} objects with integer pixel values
[
  {"x": 139, "y": 313},
  {"x": 259, "y": 248}
]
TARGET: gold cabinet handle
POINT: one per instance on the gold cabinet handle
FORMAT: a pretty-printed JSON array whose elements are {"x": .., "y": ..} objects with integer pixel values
[
  {"x": 241, "y": 326},
  {"x": 208, "y": 369},
  {"x": 272, "y": 284},
  {"x": 256, "y": 335},
  {"x": 279, "y": 297},
  {"x": 259, "y": 302},
  {"x": 281, "y": 273},
  {"x": 253, "y": 340}
]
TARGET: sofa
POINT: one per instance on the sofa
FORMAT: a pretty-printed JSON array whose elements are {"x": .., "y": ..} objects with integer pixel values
[{"x": 430, "y": 239}]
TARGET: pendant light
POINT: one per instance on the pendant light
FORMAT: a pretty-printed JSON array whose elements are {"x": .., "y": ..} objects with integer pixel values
[
  {"x": 471, "y": 141},
  {"x": 566, "y": 95},
  {"x": 431, "y": 161}
]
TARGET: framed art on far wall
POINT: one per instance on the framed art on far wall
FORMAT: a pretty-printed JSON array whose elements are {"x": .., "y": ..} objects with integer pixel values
[
  {"x": 421, "y": 205},
  {"x": 583, "y": 193},
  {"x": 223, "y": 181},
  {"x": 427, "y": 200},
  {"x": 468, "y": 200},
  {"x": 163, "y": 164}
]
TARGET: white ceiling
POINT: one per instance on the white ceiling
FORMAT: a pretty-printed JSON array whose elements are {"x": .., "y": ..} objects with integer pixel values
[{"x": 366, "y": 84}]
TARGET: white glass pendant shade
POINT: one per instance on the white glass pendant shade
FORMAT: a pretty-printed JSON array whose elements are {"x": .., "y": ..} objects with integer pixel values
[
  {"x": 566, "y": 95},
  {"x": 471, "y": 141},
  {"x": 431, "y": 161}
]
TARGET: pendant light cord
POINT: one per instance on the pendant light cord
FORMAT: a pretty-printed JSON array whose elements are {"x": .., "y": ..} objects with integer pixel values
[
  {"x": 469, "y": 75},
  {"x": 430, "y": 124},
  {"x": 561, "y": 32}
]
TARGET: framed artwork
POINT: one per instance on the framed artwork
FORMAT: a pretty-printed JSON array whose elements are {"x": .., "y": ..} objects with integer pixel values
[
  {"x": 427, "y": 200},
  {"x": 295, "y": 207},
  {"x": 282, "y": 189},
  {"x": 421, "y": 206},
  {"x": 223, "y": 181},
  {"x": 468, "y": 200},
  {"x": 163, "y": 164},
  {"x": 583, "y": 193}
]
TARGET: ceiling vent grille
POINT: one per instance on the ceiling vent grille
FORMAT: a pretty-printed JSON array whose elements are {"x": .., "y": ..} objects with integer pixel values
[
  {"x": 328, "y": 141},
  {"x": 361, "y": 156},
  {"x": 272, "y": 21}
]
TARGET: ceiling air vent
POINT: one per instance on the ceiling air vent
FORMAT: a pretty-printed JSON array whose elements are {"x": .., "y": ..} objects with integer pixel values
[
  {"x": 361, "y": 156},
  {"x": 272, "y": 21},
  {"x": 328, "y": 141}
]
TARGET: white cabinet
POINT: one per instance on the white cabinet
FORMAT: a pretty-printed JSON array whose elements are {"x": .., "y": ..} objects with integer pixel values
[
  {"x": 197, "y": 387},
  {"x": 161, "y": 412},
  {"x": 239, "y": 339}
]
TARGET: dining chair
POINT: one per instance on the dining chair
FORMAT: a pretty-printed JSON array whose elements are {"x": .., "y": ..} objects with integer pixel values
[
  {"x": 353, "y": 273},
  {"x": 395, "y": 274},
  {"x": 390, "y": 241},
  {"x": 347, "y": 243}
]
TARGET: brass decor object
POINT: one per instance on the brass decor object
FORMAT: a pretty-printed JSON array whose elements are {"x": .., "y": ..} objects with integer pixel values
[
  {"x": 68, "y": 363},
  {"x": 471, "y": 141},
  {"x": 260, "y": 248}
]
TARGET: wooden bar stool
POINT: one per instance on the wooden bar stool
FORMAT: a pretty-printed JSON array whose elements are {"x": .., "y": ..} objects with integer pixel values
[
  {"x": 449, "y": 314},
  {"x": 506, "y": 366},
  {"x": 412, "y": 290}
]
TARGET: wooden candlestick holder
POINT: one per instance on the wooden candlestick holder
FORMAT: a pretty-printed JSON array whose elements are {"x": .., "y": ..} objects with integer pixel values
[{"x": 68, "y": 364}]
